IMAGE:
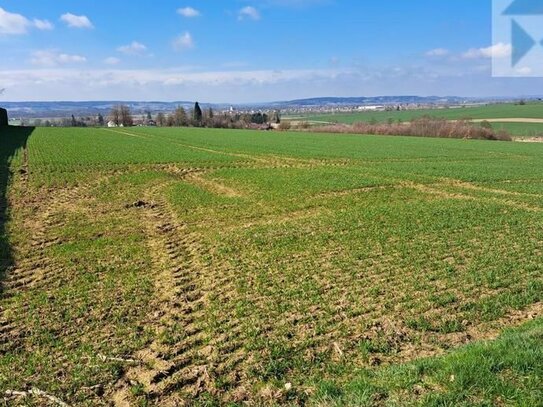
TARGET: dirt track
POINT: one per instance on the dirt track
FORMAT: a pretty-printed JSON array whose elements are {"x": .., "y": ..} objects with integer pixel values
[
  {"x": 530, "y": 140},
  {"x": 513, "y": 120}
]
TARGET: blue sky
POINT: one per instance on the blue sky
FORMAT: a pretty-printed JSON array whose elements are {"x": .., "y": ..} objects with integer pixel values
[{"x": 248, "y": 51}]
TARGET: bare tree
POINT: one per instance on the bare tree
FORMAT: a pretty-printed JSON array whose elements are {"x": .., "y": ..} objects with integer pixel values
[
  {"x": 160, "y": 119},
  {"x": 170, "y": 121},
  {"x": 180, "y": 116},
  {"x": 121, "y": 114},
  {"x": 126, "y": 116},
  {"x": 275, "y": 117},
  {"x": 115, "y": 115}
]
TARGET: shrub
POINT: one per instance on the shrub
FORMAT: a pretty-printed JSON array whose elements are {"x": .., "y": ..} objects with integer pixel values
[
  {"x": 485, "y": 124},
  {"x": 423, "y": 127},
  {"x": 303, "y": 125},
  {"x": 285, "y": 125}
]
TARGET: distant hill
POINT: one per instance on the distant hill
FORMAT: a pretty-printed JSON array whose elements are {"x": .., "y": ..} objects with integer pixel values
[
  {"x": 78, "y": 109},
  {"x": 63, "y": 109},
  {"x": 381, "y": 100}
]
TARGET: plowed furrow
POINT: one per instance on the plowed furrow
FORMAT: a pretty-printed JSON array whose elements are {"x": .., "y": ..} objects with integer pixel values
[
  {"x": 183, "y": 381},
  {"x": 183, "y": 348}
]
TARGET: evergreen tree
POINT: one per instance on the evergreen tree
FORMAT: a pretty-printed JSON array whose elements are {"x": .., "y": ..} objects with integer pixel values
[
  {"x": 74, "y": 122},
  {"x": 197, "y": 113},
  {"x": 100, "y": 119}
]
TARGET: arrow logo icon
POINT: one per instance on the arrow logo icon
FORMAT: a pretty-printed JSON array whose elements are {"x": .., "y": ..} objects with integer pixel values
[
  {"x": 522, "y": 41},
  {"x": 525, "y": 8}
]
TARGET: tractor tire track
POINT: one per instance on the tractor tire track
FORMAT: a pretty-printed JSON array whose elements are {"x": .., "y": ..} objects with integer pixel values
[
  {"x": 35, "y": 271},
  {"x": 175, "y": 362},
  {"x": 184, "y": 360}
]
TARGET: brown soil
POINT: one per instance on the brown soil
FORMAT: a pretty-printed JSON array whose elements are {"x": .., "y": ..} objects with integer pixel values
[
  {"x": 179, "y": 301},
  {"x": 213, "y": 186}
]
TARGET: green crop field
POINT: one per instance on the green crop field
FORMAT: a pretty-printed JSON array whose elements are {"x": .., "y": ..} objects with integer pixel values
[
  {"x": 498, "y": 111},
  {"x": 163, "y": 267},
  {"x": 521, "y": 129}
]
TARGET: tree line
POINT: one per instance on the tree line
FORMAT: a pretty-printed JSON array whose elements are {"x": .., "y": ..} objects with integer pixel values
[
  {"x": 197, "y": 117},
  {"x": 121, "y": 115}
]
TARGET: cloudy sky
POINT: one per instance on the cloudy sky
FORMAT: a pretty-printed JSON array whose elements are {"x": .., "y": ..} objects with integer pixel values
[{"x": 249, "y": 50}]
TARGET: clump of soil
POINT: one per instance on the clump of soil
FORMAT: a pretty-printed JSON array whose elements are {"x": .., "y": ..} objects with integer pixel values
[{"x": 140, "y": 204}]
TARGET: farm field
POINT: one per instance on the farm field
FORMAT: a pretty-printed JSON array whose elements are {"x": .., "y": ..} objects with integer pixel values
[
  {"x": 521, "y": 129},
  {"x": 164, "y": 266},
  {"x": 489, "y": 112}
]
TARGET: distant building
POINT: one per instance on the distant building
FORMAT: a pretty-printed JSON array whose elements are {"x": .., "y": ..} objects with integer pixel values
[
  {"x": 371, "y": 108},
  {"x": 111, "y": 123},
  {"x": 3, "y": 117}
]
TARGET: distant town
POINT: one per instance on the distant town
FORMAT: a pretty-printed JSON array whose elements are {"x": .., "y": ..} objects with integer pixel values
[{"x": 86, "y": 114}]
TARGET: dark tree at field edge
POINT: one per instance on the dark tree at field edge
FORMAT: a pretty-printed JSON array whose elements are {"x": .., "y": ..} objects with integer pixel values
[
  {"x": 197, "y": 113},
  {"x": 3, "y": 117}
]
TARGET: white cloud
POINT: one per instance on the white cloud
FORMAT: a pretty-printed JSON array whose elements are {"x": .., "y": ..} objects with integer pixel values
[
  {"x": 500, "y": 50},
  {"x": 135, "y": 48},
  {"x": 438, "y": 52},
  {"x": 164, "y": 84},
  {"x": 12, "y": 23},
  {"x": 50, "y": 58},
  {"x": 184, "y": 41},
  {"x": 227, "y": 86},
  {"x": 249, "y": 12},
  {"x": 112, "y": 61},
  {"x": 76, "y": 21},
  {"x": 17, "y": 24},
  {"x": 163, "y": 77},
  {"x": 44, "y": 25},
  {"x": 188, "y": 12}
]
